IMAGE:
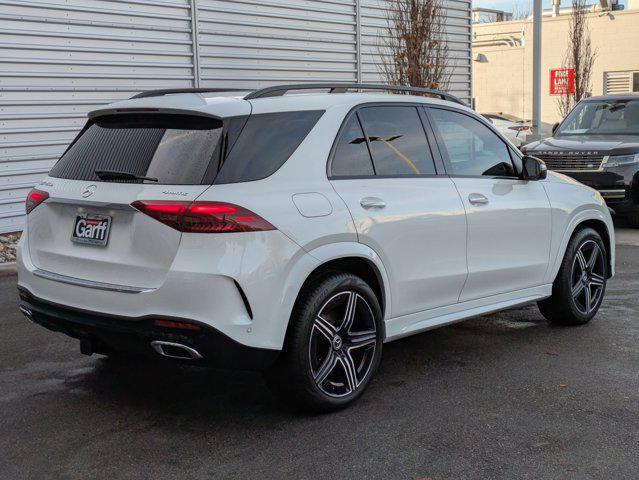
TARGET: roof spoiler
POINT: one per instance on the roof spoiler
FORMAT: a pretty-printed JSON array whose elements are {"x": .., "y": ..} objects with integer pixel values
[{"x": 169, "y": 91}]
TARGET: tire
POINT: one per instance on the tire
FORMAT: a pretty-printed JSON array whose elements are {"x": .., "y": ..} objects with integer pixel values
[
  {"x": 580, "y": 285},
  {"x": 633, "y": 220},
  {"x": 329, "y": 357}
]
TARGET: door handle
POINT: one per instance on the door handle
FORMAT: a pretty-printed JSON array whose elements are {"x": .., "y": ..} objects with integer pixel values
[
  {"x": 477, "y": 199},
  {"x": 372, "y": 202}
]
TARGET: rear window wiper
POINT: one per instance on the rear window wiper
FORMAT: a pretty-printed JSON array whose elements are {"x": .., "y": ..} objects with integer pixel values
[{"x": 114, "y": 175}]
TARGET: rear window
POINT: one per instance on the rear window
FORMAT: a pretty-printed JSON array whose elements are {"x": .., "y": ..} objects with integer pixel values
[
  {"x": 145, "y": 146},
  {"x": 266, "y": 142}
]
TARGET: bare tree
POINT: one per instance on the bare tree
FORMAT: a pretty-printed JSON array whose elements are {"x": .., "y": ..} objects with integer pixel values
[
  {"x": 414, "y": 51},
  {"x": 521, "y": 12},
  {"x": 580, "y": 56}
]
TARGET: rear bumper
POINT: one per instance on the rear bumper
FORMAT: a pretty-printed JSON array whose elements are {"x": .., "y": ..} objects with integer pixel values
[
  {"x": 99, "y": 333},
  {"x": 243, "y": 287}
]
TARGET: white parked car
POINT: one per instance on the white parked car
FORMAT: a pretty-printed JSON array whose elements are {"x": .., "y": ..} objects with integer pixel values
[
  {"x": 297, "y": 233},
  {"x": 513, "y": 128}
]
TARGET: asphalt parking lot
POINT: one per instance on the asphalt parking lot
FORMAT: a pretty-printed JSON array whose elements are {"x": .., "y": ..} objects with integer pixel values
[{"x": 503, "y": 396}]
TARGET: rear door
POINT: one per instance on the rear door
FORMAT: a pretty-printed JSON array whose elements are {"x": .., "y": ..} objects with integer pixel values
[
  {"x": 509, "y": 220},
  {"x": 383, "y": 169},
  {"x": 88, "y": 229}
]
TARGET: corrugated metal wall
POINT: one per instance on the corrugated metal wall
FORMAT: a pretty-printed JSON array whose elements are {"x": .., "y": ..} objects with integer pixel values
[
  {"x": 251, "y": 43},
  {"x": 60, "y": 60}
]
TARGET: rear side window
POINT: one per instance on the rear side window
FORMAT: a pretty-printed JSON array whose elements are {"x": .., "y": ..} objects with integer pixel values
[
  {"x": 171, "y": 149},
  {"x": 397, "y": 140},
  {"x": 266, "y": 142},
  {"x": 351, "y": 157}
]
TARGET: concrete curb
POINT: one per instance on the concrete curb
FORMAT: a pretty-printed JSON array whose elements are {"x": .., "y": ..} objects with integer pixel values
[{"x": 8, "y": 268}]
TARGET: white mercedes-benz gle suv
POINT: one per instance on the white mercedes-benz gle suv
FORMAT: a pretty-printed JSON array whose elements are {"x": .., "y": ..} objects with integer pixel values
[{"x": 298, "y": 232}]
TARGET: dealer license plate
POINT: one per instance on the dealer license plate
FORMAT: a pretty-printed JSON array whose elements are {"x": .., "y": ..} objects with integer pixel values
[{"x": 91, "y": 229}]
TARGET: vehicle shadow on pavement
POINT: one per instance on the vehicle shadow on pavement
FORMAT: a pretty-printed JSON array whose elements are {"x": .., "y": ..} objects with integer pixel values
[
  {"x": 498, "y": 349},
  {"x": 210, "y": 395}
]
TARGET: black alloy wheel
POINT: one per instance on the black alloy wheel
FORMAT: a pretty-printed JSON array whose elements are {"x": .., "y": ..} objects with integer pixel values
[
  {"x": 580, "y": 284},
  {"x": 333, "y": 345},
  {"x": 342, "y": 344}
]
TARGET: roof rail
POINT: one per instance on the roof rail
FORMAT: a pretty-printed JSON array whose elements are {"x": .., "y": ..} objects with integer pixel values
[
  {"x": 168, "y": 91},
  {"x": 279, "y": 90}
]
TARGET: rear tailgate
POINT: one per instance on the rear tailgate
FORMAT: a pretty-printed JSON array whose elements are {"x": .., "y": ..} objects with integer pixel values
[{"x": 137, "y": 251}]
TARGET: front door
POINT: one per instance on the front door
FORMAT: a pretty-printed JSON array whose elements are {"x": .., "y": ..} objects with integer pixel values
[
  {"x": 413, "y": 218},
  {"x": 509, "y": 220}
]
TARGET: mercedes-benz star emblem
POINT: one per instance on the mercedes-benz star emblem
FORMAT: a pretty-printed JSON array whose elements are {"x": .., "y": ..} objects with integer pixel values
[{"x": 88, "y": 190}]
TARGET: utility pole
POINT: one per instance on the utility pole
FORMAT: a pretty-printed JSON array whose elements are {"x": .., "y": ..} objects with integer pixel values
[{"x": 536, "y": 110}]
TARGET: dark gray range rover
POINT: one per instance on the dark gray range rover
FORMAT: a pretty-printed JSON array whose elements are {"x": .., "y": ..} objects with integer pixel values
[{"x": 598, "y": 145}]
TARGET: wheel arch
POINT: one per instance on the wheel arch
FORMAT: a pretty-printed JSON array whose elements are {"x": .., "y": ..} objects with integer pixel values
[
  {"x": 359, "y": 259},
  {"x": 352, "y": 258},
  {"x": 596, "y": 220},
  {"x": 601, "y": 228},
  {"x": 359, "y": 266}
]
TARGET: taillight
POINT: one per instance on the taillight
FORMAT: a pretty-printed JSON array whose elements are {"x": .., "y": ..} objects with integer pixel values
[
  {"x": 34, "y": 198},
  {"x": 203, "y": 217}
]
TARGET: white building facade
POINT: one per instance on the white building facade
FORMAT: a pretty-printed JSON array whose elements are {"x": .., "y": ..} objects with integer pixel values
[{"x": 59, "y": 60}]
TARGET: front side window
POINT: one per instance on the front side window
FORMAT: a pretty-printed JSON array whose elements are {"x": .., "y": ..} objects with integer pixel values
[
  {"x": 397, "y": 140},
  {"x": 351, "y": 157},
  {"x": 619, "y": 117},
  {"x": 470, "y": 147}
]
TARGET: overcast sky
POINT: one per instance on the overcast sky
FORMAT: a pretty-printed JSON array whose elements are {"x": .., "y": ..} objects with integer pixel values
[{"x": 519, "y": 5}]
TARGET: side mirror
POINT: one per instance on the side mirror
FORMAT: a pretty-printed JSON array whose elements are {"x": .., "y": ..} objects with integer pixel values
[
  {"x": 555, "y": 127},
  {"x": 533, "y": 168}
]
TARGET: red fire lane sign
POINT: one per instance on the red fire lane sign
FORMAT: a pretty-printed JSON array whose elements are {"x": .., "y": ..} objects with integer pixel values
[{"x": 562, "y": 81}]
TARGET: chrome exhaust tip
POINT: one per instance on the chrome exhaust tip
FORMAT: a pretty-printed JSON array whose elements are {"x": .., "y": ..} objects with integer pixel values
[
  {"x": 175, "y": 350},
  {"x": 26, "y": 312}
]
